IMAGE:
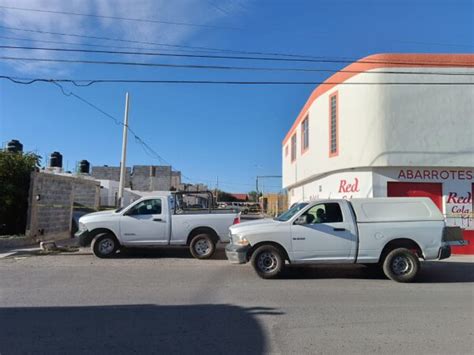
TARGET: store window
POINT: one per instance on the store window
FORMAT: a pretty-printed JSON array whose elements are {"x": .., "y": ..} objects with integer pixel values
[
  {"x": 333, "y": 125},
  {"x": 305, "y": 134},
  {"x": 293, "y": 147}
]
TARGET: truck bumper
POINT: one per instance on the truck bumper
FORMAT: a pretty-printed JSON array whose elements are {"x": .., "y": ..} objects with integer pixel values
[
  {"x": 237, "y": 254},
  {"x": 84, "y": 238},
  {"x": 444, "y": 252}
]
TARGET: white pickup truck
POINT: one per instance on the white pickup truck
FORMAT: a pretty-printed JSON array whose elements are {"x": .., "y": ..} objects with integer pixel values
[
  {"x": 393, "y": 233},
  {"x": 157, "y": 221}
]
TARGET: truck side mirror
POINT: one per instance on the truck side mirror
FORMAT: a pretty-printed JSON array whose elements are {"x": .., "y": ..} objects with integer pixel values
[{"x": 301, "y": 220}]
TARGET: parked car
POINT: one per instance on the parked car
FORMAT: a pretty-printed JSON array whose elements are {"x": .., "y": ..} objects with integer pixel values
[
  {"x": 156, "y": 221},
  {"x": 394, "y": 233}
]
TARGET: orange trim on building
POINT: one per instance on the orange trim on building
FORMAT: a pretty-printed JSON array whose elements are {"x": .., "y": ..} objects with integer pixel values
[
  {"x": 378, "y": 61},
  {"x": 336, "y": 153}
]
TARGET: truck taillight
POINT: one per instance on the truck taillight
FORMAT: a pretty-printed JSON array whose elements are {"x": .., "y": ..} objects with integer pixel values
[{"x": 236, "y": 220}]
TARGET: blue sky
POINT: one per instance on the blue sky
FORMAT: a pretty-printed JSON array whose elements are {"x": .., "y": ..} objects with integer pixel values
[{"x": 230, "y": 132}]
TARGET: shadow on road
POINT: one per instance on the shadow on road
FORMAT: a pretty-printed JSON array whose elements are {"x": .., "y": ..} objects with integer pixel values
[
  {"x": 139, "y": 329},
  {"x": 431, "y": 272},
  {"x": 166, "y": 252}
]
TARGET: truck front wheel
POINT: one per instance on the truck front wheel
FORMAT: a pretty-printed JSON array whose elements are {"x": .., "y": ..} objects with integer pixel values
[
  {"x": 268, "y": 262},
  {"x": 202, "y": 246},
  {"x": 105, "y": 245},
  {"x": 401, "y": 265}
]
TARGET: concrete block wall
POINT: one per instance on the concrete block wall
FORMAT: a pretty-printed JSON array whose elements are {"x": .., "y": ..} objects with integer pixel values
[
  {"x": 86, "y": 193},
  {"x": 141, "y": 177},
  {"x": 51, "y": 203},
  {"x": 154, "y": 178},
  {"x": 110, "y": 173}
]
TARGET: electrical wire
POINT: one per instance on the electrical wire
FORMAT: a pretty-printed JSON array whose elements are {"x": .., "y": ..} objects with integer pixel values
[
  {"x": 217, "y": 67},
  {"x": 145, "y": 146},
  {"x": 284, "y": 56},
  {"x": 89, "y": 82},
  {"x": 316, "y": 60},
  {"x": 105, "y": 46}
]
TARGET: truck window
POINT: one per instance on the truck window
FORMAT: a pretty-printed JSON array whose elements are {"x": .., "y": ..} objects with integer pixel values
[
  {"x": 285, "y": 216},
  {"x": 324, "y": 213},
  {"x": 146, "y": 207}
]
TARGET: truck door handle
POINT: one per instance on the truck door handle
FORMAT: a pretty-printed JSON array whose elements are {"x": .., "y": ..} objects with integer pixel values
[
  {"x": 339, "y": 229},
  {"x": 158, "y": 220}
]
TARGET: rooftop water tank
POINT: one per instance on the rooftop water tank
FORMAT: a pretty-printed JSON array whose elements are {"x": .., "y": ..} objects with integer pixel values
[
  {"x": 84, "y": 167},
  {"x": 56, "y": 160},
  {"x": 14, "y": 146}
]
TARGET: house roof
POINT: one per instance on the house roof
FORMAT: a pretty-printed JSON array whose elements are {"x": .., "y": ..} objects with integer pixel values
[{"x": 239, "y": 196}]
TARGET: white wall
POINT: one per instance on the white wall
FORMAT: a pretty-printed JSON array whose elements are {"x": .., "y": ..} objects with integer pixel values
[
  {"x": 381, "y": 125},
  {"x": 344, "y": 184}
]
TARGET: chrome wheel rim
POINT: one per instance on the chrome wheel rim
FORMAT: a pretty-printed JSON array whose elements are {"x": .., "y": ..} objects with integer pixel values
[
  {"x": 106, "y": 246},
  {"x": 401, "y": 265},
  {"x": 202, "y": 247},
  {"x": 267, "y": 262}
]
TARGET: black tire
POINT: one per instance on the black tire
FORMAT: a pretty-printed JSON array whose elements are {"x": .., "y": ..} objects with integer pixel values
[
  {"x": 105, "y": 245},
  {"x": 401, "y": 265},
  {"x": 268, "y": 262},
  {"x": 202, "y": 246}
]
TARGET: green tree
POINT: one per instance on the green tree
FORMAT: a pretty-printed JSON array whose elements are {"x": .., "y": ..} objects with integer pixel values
[{"x": 15, "y": 171}]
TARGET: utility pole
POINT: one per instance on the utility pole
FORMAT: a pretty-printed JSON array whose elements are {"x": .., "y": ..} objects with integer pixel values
[
  {"x": 256, "y": 191},
  {"x": 123, "y": 166},
  {"x": 217, "y": 190}
]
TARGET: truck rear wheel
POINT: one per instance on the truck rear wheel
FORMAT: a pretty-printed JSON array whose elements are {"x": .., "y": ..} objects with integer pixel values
[
  {"x": 202, "y": 246},
  {"x": 401, "y": 265},
  {"x": 268, "y": 262},
  {"x": 105, "y": 245}
]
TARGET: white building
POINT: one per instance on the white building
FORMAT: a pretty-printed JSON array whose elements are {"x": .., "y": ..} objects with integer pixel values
[{"x": 357, "y": 140}]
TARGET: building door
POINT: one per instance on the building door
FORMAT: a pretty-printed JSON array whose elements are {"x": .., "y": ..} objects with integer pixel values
[{"x": 417, "y": 189}]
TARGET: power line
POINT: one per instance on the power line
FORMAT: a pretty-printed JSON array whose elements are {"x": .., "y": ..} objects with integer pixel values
[
  {"x": 112, "y": 39},
  {"x": 198, "y": 48},
  {"x": 100, "y": 45},
  {"x": 89, "y": 82},
  {"x": 315, "y": 60},
  {"x": 145, "y": 146},
  {"x": 217, "y": 67},
  {"x": 138, "y": 139},
  {"x": 174, "y": 23}
]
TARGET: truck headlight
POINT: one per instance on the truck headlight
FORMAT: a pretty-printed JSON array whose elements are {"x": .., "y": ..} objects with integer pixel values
[
  {"x": 241, "y": 241},
  {"x": 82, "y": 227}
]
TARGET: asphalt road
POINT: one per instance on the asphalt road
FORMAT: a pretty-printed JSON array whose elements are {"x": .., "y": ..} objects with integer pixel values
[{"x": 166, "y": 302}]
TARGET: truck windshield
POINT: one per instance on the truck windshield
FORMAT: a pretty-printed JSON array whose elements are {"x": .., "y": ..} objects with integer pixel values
[{"x": 285, "y": 216}]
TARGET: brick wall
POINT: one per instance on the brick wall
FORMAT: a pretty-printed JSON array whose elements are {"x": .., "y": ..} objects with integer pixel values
[
  {"x": 51, "y": 202},
  {"x": 110, "y": 173}
]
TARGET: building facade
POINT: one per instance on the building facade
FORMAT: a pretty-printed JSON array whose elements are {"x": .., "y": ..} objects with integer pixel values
[
  {"x": 142, "y": 177},
  {"x": 389, "y": 138}
]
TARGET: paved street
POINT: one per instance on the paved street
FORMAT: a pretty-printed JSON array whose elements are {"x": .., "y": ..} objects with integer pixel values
[{"x": 166, "y": 302}]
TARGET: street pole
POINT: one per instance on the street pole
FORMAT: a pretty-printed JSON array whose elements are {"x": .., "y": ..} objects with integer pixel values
[
  {"x": 217, "y": 191},
  {"x": 256, "y": 191},
  {"x": 123, "y": 166}
]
